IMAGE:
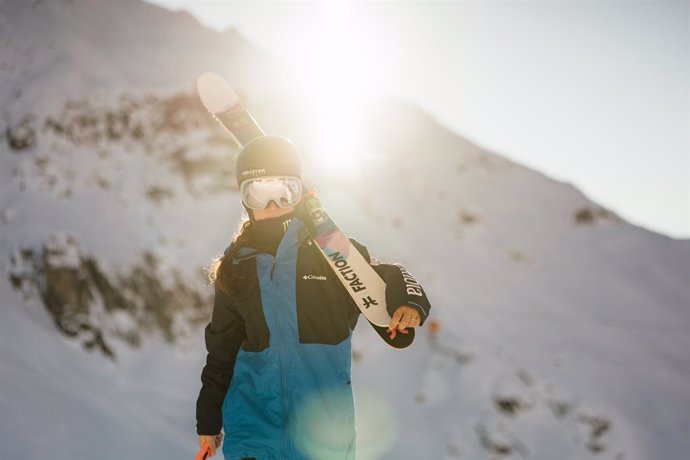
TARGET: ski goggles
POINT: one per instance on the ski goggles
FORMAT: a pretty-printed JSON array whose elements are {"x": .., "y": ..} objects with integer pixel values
[{"x": 284, "y": 191}]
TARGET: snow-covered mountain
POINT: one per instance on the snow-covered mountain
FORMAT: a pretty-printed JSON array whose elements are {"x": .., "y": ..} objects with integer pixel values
[{"x": 562, "y": 332}]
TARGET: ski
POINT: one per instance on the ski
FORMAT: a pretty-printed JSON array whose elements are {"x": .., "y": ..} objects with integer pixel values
[
  {"x": 366, "y": 288},
  {"x": 224, "y": 104}
]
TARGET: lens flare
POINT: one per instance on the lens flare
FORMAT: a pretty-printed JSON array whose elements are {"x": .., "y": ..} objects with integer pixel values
[
  {"x": 332, "y": 74},
  {"x": 326, "y": 418}
]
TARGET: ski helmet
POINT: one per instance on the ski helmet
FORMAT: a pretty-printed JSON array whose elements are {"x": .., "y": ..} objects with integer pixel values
[{"x": 268, "y": 156}]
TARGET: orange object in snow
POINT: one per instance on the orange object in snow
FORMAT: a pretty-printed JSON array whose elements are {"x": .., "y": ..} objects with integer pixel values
[{"x": 434, "y": 326}]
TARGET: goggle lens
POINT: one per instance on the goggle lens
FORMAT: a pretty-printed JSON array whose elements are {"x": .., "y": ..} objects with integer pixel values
[{"x": 283, "y": 191}]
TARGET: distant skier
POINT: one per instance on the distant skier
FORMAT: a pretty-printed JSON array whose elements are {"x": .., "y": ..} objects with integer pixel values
[{"x": 277, "y": 374}]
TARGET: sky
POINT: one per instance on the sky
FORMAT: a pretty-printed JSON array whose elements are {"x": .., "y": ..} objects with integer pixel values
[{"x": 596, "y": 94}]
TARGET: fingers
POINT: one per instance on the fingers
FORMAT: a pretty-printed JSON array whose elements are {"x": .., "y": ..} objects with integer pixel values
[
  {"x": 409, "y": 318},
  {"x": 214, "y": 445},
  {"x": 209, "y": 442},
  {"x": 405, "y": 320},
  {"x": 395, "y": 320}
]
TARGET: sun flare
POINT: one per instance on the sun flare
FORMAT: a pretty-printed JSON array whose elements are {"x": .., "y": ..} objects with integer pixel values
[{"x": 330, "y": 71}]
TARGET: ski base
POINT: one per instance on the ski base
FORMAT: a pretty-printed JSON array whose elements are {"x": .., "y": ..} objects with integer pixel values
[{"x": 400, "y": 341}]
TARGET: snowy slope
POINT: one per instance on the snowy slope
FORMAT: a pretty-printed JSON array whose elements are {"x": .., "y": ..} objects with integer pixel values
[
  {"x": 594, "y": 315},
  {"x": 563, "y": 329},
  {"x": 53, "y": 51}
]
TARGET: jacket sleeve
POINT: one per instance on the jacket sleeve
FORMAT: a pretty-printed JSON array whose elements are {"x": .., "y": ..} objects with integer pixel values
[
  {"x": 224, "y": 336},
  {"x": 401, "y": 287}
]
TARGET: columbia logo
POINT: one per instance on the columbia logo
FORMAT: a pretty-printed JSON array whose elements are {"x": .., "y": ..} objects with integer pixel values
[{"x": 314, "y": 277}]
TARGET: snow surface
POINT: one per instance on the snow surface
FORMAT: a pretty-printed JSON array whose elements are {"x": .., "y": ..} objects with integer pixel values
[{"x": 558, "y": 339}]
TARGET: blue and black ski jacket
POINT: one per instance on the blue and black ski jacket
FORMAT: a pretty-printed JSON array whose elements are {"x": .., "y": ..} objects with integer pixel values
[{"x": 277, "y": 374}]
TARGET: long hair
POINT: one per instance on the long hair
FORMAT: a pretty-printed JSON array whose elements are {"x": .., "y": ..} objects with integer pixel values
[{"x": 221, "y": 271}]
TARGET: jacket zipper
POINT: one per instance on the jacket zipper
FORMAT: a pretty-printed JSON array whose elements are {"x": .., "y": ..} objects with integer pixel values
[
  {"x": 282, "y": 352},
  {"x": 281, "y": 359}
]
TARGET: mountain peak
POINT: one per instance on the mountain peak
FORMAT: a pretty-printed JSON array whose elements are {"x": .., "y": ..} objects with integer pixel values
[{"x": 95, "y": 48}]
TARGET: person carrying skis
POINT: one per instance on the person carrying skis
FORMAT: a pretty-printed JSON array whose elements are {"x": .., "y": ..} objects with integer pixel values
[{"x": 277, "y": 373}]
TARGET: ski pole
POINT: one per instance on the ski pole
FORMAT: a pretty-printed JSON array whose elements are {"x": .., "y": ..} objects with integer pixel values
[{"x": 203, "y": 453}]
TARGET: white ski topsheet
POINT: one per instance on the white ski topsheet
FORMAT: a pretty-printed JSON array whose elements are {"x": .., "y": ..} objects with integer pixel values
[
  {"x": 364, "y": 285},
  {"x": 216, "y": 93}
]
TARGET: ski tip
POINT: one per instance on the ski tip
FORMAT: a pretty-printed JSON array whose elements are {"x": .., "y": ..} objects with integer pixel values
[
  {"x": 215, "y": 93},
  {"x": 400, "y": 342}
]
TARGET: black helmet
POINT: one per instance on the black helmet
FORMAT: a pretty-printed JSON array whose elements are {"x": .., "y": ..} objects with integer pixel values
[{"x": 268, "y": 156}]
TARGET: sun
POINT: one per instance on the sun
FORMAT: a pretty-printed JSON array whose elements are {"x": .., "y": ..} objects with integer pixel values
[{"x": 330, "y": 69}]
